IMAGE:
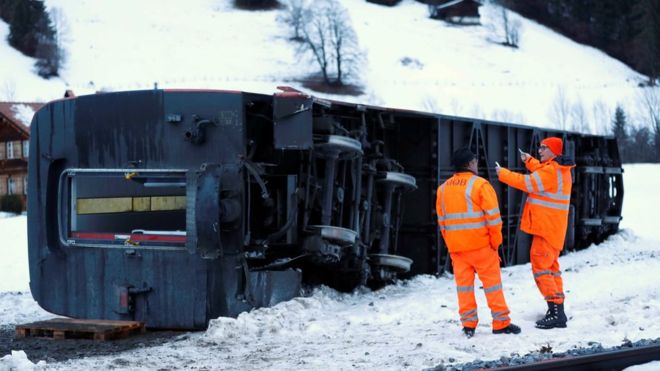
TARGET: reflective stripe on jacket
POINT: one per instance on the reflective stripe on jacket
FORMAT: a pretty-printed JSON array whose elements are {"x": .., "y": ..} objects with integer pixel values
[
  {"x": 468, "y": 213},
  {"x": 549, "y": 194}
]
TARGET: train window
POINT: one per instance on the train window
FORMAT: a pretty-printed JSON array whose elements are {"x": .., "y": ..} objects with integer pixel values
[{"x": 123, "y": 208}]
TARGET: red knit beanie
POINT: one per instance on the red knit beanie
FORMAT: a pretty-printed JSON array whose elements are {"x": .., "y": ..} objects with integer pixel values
[{"x": 555, "y": 144}]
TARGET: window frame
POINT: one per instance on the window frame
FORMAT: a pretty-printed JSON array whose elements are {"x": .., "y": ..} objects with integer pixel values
[
  {"x": 9, "y": 147},
  {"x": 67, "y": 197},
  {"x": 26, "y": 149},
  {"x": 11, "y": 185}
]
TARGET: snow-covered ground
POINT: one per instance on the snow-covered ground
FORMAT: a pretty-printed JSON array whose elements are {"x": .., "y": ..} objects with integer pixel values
[
  {"x": 409, "y": 60},
  {"x": 13, "y": 252},
  {"x": 612, "y": 296}
]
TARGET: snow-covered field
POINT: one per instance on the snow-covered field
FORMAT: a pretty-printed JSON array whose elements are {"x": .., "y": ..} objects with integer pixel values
[
  {"x": 612, "y": 296},
  {"x": 409, "y": 60}
]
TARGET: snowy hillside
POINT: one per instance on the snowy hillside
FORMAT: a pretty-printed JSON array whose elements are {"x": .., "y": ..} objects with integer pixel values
[{"x": 410, "y": 61}]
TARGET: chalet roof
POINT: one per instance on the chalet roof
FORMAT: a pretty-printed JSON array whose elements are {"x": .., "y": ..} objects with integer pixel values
[
  {"x": 19, "y": 113},
  {"x": 452, "y": 3}
]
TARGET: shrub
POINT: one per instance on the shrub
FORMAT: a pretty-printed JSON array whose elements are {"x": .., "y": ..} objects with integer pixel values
[
  {"x": 11, "y": 203},
  {"x": 257, "y": 4}
]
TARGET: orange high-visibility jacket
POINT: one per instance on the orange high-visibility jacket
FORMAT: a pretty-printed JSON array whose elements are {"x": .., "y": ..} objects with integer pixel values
[
  {"x": 549, "y": 195},
  {"x": 468, "y": 213}
]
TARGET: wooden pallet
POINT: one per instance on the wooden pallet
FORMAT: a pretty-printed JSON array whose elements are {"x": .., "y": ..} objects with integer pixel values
[{"x": 67, "y": 328}]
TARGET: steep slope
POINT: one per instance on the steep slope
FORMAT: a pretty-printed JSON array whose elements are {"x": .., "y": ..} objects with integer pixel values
[{"x": 411, "y": 61}]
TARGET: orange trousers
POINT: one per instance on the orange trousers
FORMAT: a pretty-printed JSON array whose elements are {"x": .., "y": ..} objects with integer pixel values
[
  {"x": 486, "y": 263},
  {"x": 545, "y": 266}
]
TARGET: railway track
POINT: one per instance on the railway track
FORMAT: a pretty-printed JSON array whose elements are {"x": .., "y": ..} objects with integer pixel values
[
  {"x": 610, "y": 360},
  {"x": 594, "y": 357}
]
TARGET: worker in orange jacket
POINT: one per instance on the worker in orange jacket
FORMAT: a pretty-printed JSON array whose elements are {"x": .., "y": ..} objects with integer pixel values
[
  {"x": 545, "y": 217},
  {"x": 470, "y": 223}
]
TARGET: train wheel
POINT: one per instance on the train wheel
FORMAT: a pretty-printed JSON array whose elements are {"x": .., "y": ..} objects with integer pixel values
[{"x": 385, "y": 267}]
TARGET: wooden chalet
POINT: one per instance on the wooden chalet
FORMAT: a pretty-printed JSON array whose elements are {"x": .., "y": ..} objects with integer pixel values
[
  {"x": 384, "y": 2},
  {"x": 15, "y": 118},
  {"x": 465, "y": 12}
]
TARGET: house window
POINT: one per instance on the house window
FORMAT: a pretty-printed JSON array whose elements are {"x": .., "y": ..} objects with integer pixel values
[
  {"x": 17, "y": 149},
  {"x": 11, "y": 186},
  {"x": 3, "y": 150},
  {"x": 3, "y": 185},
  {"x": 10, "y": 150},
  {"x": 19, "y": 188},
  {"x": 25, "y": 185},
  {"x": 26, "y": 148}
]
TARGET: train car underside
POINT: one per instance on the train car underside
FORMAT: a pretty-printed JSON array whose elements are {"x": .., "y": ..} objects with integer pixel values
[{"x": 176, "y": 207}]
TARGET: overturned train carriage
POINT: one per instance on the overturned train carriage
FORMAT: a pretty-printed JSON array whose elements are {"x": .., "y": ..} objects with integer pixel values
[{"x": 176, "y": 207}]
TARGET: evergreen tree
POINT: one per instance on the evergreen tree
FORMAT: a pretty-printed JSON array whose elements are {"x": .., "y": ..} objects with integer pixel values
[
  {"x": 620, "y": 131},
  {"x": 7, "y": 10},
  {"x": 619, "y": 128},
  {"x": 22, "y": 32},
  {"x": 647, "y": 38},
  {"x": 47, "y": 52},
  {"x": 640, "y": 148},
  {"x": 627, "y": 30},
  {"x": 31, "y": 32}
]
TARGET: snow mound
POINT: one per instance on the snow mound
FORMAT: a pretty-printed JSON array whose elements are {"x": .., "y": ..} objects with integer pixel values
[
  {"x": 18, "y": 360},
  {"x": 290, "y": 318},
  {"x": 29, "y": 312}
]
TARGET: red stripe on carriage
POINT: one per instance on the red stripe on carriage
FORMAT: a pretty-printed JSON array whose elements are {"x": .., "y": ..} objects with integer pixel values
[{"x": 133, "y": 237}]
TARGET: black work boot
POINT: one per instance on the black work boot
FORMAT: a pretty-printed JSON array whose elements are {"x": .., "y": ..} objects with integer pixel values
[
  {"x": 468, "y": 331},
  {"x": 547, "y": 312},
  {"x": 555, "y": 317},
  {"x": 510, "y": 329}
]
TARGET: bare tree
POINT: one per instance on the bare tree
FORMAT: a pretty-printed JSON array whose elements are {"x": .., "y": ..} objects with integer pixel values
[
  {"x": 510, "y": 29},
  {"x": 579, "y": 119},
  {"x": 329, "y": 37},
  {"x": 295, "y": 15},
  {"x": 343, "y": 39},
  {"x": 430, "y": 104},
  {"x": 477, "y": 112},
  {"x": 316, "y": 42},
  {"x": 503, "y": 115},
  {"x": 9, "y": 90},
  {"x": 456, "y": 106},
  {"x": 601, "y": 117},
  {"x": 650, "y": 103},
  {"x": 560, "y": 110}
]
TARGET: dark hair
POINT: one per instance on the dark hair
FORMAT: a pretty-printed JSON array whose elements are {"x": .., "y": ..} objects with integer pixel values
[{"x": 461, "y": 158}]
